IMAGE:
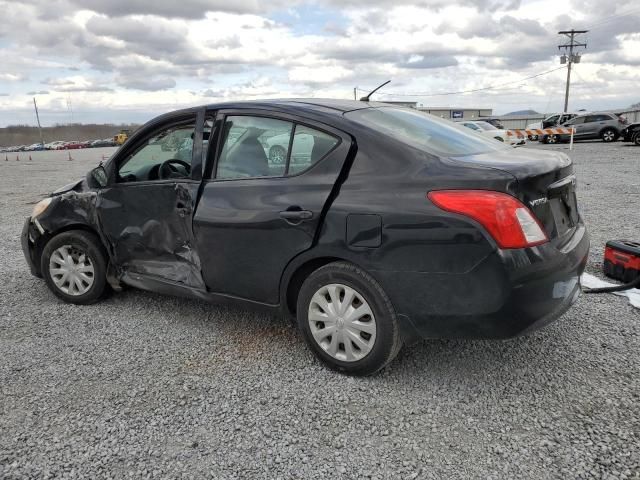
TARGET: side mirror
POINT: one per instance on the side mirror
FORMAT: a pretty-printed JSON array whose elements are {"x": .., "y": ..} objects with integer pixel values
[{"x": 97, "y": 177}]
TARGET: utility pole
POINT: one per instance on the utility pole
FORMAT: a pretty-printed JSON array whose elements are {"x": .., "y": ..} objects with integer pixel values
[
  {"x": 355, "y": 93},
  {"x": 571, "y": 35},
  {"x": 35, "y": 105}
]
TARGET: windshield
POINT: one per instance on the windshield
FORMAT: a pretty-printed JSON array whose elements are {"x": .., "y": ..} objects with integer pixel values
[
  {"x": 486, "y": 126},
  {"x": 425, "y": 132}
]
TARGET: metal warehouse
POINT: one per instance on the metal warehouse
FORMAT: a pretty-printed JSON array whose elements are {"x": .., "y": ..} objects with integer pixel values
[{"x": 453, "y": 113}]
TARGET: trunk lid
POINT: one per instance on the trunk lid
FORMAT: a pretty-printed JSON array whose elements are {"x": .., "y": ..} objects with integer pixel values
[{"x": 545, "y": 183}]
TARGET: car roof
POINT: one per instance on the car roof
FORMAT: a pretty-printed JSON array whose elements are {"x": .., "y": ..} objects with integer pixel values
[
  {"x": 317, "y": 104},
  {"x": 308, "y": 105}
]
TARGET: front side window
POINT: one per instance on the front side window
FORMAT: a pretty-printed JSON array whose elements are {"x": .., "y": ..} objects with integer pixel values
[
  {"x": 471, "y": 126},
  {"x": 577, "y": 120},
  {"x": 267, "y": 147},
  {"x": 165, "y": 155},
  {"x": 425, "y": 132}
]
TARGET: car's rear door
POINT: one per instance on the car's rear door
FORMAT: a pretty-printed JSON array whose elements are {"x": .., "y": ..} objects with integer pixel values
[{"x": 256, "y": 214}]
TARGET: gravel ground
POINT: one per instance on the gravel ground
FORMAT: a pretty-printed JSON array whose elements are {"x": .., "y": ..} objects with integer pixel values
[{"x": 147, "y": 386}]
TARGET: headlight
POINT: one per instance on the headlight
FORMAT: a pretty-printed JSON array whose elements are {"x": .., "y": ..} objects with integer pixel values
[{"x": 40, "y": 207}]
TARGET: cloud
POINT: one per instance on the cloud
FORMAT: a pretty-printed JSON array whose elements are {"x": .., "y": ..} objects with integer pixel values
[
  {"x": 439, "y": 61},
  {"x": 136, "y": 54}
]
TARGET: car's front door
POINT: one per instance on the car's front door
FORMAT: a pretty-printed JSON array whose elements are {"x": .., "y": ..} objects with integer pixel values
[
  {"x": 257, "y": 213},
  {"x": 146, "y": 210}
]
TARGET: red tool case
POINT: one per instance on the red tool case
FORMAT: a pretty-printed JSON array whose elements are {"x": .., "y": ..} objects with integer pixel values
[{"x": 622, "y": 260}]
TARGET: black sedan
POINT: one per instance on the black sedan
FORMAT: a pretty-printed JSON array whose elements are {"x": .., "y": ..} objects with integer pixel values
[
  {"x": 631, "y": 133},
  {"x": 390, "y": 225}
]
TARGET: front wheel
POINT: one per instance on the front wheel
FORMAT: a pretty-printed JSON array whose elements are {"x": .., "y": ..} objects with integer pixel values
[
  {"x": 609, "y": 135},
  {"x": 348, "y": 320},
  {"x": 636, "y": 138},
  {"x": 74, "y": 265}
]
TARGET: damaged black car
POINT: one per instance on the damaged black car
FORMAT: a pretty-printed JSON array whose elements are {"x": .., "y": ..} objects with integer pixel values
[{"x": 373, "y": 225}]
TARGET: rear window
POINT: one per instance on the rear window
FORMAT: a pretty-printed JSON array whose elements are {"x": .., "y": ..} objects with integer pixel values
[{"x": 425, "y": 132}]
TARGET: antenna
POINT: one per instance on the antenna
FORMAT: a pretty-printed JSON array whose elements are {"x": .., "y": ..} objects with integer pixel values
[{"x": 366, "y": 98}]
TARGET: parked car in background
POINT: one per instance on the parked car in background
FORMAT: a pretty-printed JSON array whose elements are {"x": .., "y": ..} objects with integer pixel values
[
  {"x": 488, "y": 130},
  {"x": 278, "y": 145},
  {"x": 34, "y": 147},
  {"x": 103, "y": 142},
  {"x": 398, "y": 226},
  {"x": 553, "y": 120},
  {"x": 603, "y": 125},
  {"x": 74, "y": 145},
  {"x": 631, "y": 133},
  {"x": 53, "y": 145},
  {"x": 493, "y": 121}
]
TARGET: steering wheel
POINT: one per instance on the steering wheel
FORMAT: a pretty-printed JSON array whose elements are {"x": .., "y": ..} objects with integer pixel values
[{"x": 167, "y": 170}]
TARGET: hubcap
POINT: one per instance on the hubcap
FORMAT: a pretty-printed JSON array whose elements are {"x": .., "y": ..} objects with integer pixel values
[
  {"x": 608, "y": 136},
  {"x": 277, "y": 155},
  {"x": 71, "y": 270},
  {"x": 342, "y": 323}
]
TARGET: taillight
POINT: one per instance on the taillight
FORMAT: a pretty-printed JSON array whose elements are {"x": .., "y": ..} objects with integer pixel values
[{"x": 508, "y": 221}]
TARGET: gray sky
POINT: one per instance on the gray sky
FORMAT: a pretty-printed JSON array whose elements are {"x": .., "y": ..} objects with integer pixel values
[{"x": 128, "y": 60}]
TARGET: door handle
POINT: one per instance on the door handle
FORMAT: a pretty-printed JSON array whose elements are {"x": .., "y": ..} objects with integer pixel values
[{"x": 296, "y": 215}]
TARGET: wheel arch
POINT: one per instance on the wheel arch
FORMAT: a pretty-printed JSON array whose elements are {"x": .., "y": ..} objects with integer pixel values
[
  {"x": 295, "y": 278},
  {"x": 615, "y": 131},
  {"x": 46, "y": 237}
]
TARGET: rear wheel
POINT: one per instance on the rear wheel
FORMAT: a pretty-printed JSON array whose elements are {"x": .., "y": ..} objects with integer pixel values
[
  {"x": 636, "y": 138},
  {"x": 348, "y": 320},
  {"x": 553, "y": 138},
  {"x": 609, "y": 135},
  {"x": 74, "y": 266}
]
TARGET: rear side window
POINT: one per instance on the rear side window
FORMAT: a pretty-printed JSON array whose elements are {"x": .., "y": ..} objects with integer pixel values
[
  {"x": 597, "y": 118},
  {"x": 309, "y": 146},
  {"x": 254, "y": 147},
  {"x": 425, "y": 132},
  {"x": 267, "y": 147}
]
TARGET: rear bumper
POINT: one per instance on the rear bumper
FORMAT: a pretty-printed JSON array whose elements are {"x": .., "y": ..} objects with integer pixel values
[{"x": 508, "y": 293}]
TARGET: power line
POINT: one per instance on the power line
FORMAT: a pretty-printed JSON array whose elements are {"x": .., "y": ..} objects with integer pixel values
[
  {"x": 614, "y": 17},
  {"x": 491, "y": 87}
]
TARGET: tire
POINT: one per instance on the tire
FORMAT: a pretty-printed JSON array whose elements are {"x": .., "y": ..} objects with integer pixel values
[
  {"x": 552, "y": 139},
  {"x": 277, "y": 155},
  {"x": 381, "y": 341},
  {"x": 609, "y": 135},
  {"x": 75, "y": 244},
  {"x": 636, "y": 138}
]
